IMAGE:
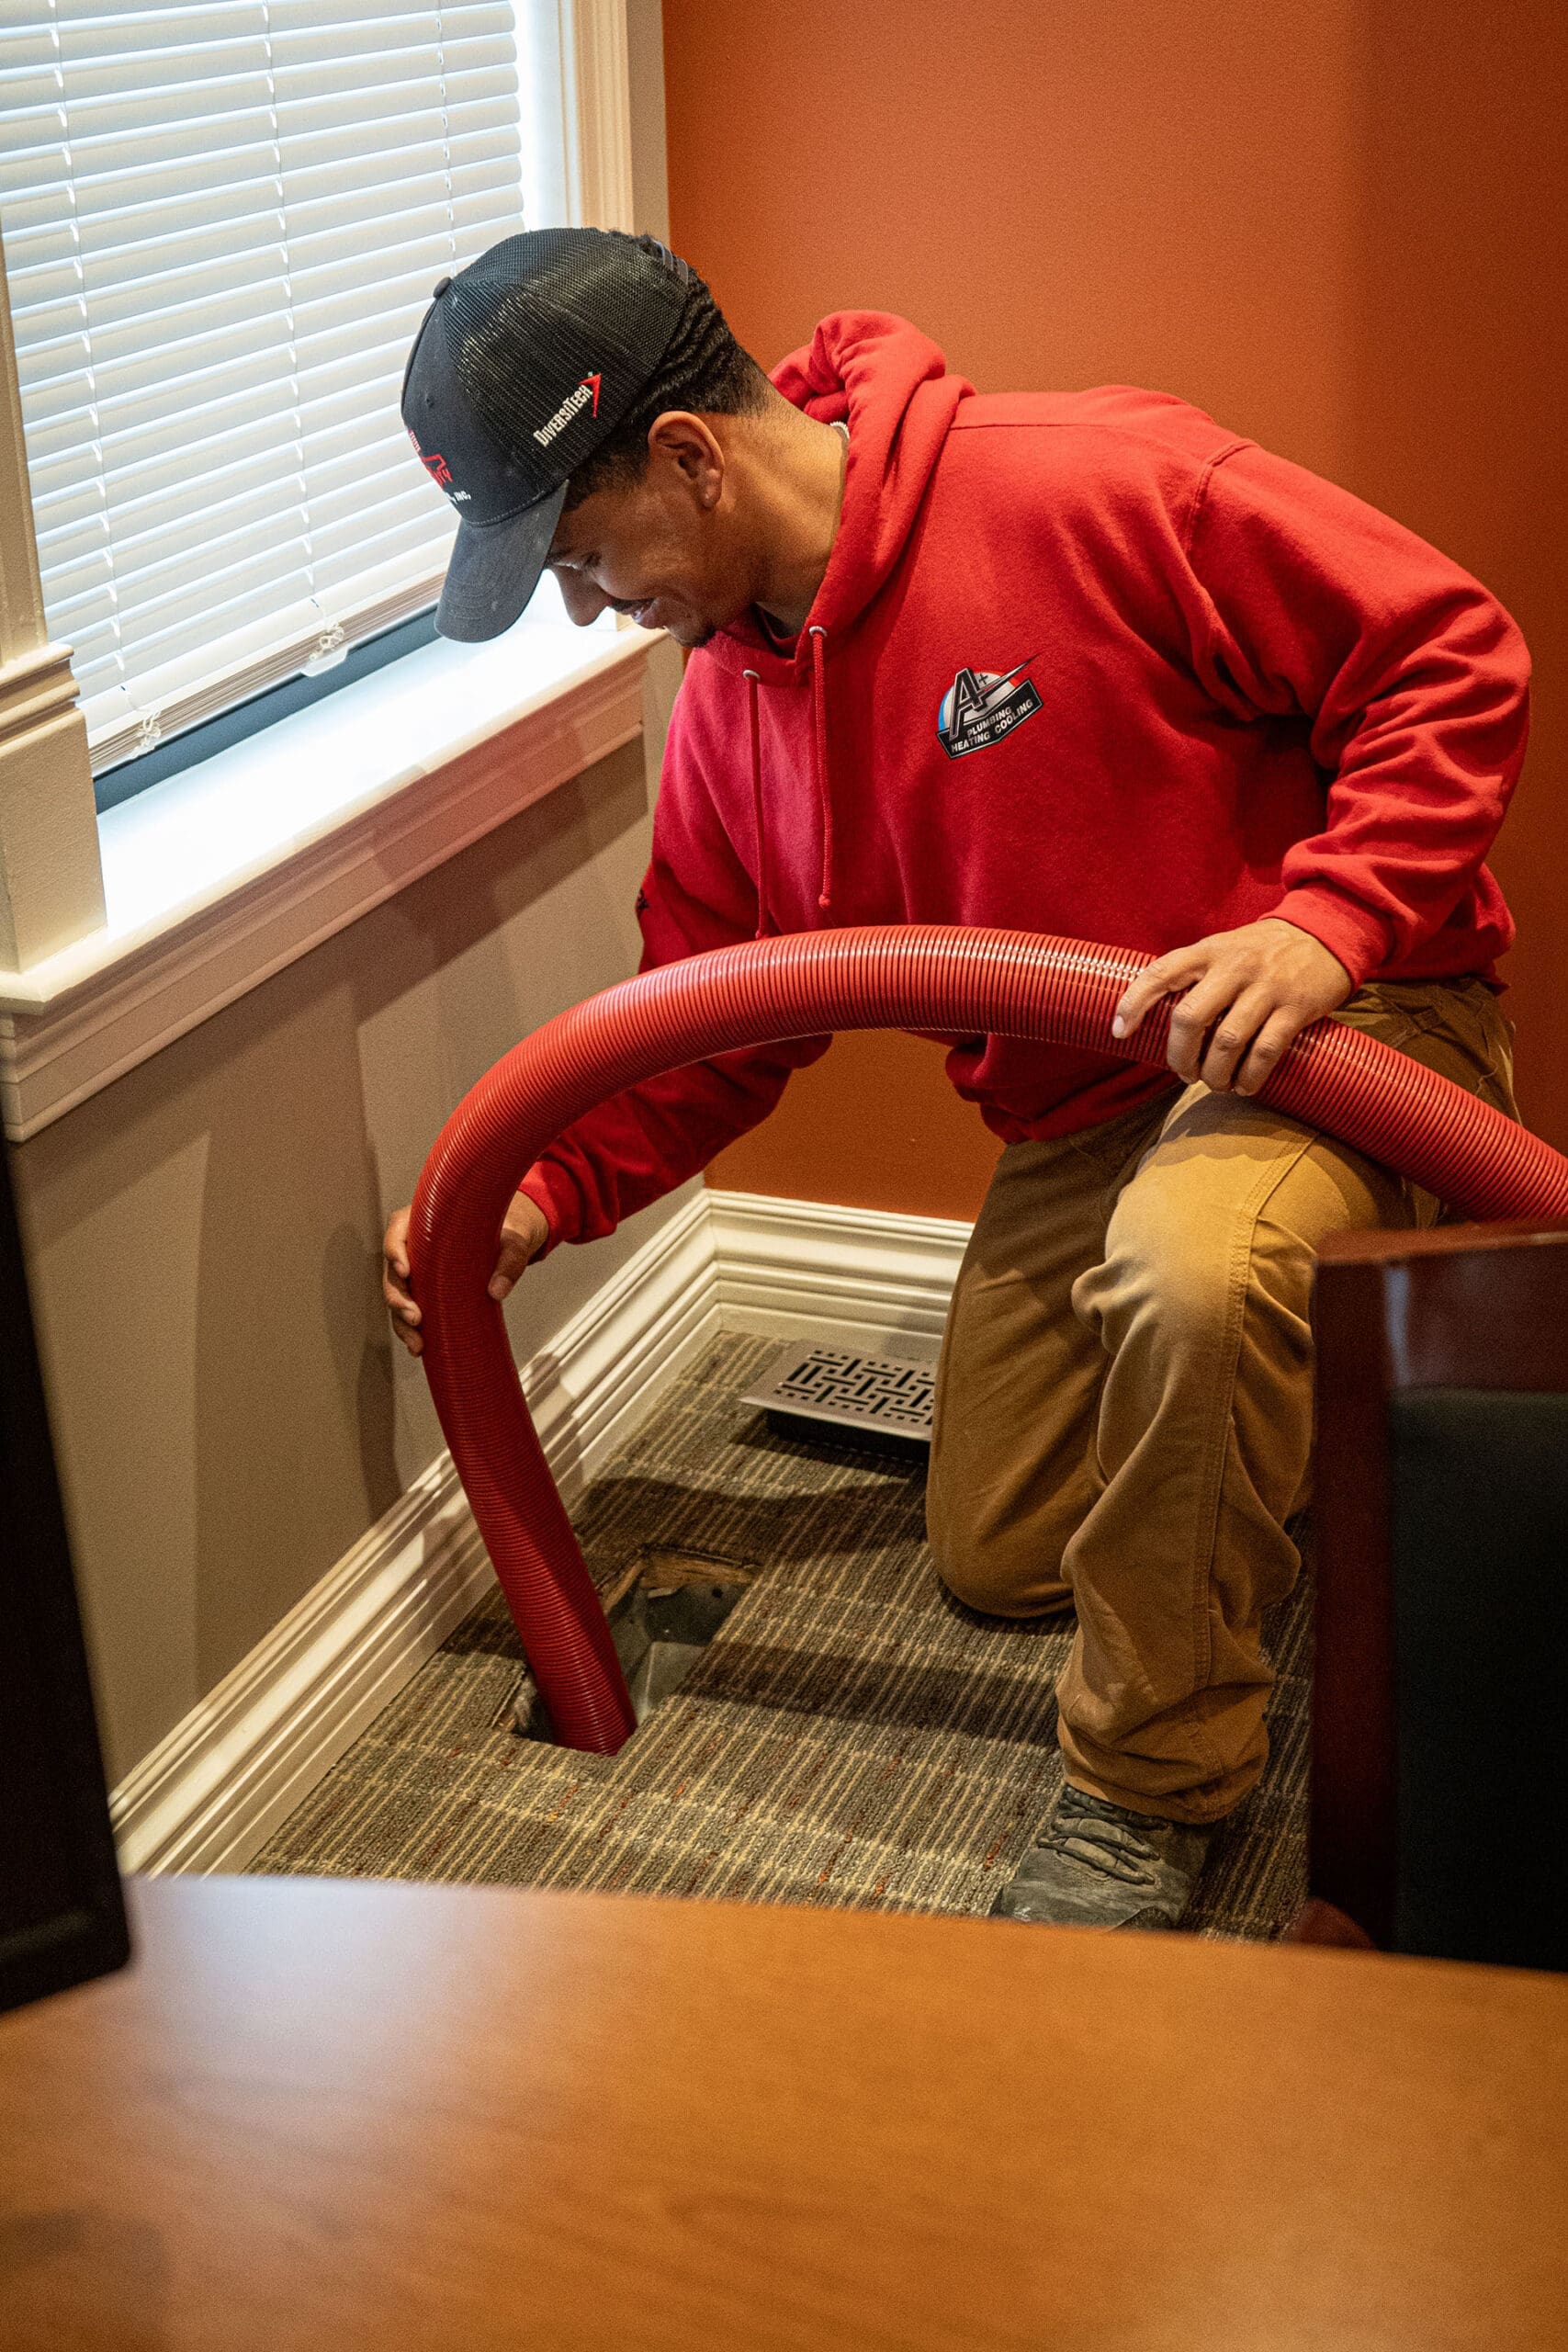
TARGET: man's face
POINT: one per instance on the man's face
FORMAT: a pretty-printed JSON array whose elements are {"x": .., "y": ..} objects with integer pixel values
[{"x": 655, "y": 548}]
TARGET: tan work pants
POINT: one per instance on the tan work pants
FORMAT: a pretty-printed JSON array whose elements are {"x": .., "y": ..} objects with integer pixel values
[{"x": 1124, "y": 1416}]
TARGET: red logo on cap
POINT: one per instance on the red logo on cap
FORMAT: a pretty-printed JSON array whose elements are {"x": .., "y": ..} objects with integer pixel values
[
  {"x": 592, "y": 384},
  {"x": 435, "y": 464}
]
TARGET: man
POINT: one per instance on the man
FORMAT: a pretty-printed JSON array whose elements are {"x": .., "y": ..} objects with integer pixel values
[{"x": 1083, "y": 663}]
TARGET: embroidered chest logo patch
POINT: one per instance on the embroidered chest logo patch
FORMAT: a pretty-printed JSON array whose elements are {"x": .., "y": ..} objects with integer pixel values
[{"x": 981, "y": 706}]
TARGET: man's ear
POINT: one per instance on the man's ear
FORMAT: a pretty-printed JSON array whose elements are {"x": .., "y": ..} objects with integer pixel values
[{"x": 683, "y": 442}]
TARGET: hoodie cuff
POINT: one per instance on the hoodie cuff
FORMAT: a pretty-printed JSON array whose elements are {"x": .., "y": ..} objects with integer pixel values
[
  {"x": 1359, "y": 939},
  {"x": 555, "y": 1196}
]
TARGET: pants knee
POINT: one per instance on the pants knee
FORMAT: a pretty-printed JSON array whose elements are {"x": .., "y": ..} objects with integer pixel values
[
  {"x": 1159, "y": 1275},
  {"x": 971, "y": 1581},
  {"x": 982, "y": 1568}
]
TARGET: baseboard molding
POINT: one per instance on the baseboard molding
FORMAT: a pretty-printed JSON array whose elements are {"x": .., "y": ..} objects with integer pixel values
[
  {"x": 209, "y": 1795},
  {"x": 791, "y": 1266}
]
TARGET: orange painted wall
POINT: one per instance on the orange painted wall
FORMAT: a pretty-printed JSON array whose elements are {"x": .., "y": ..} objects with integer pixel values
[{"x": 1338, "y": 225}]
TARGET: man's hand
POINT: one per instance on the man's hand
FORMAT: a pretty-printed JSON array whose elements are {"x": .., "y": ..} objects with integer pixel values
[
  {"x": 524, "y": 1233},
  {"x": 1254, "y": 989}
]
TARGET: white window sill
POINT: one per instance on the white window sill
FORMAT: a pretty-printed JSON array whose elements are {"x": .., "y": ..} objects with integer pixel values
[{"x": 221, "y": 875}]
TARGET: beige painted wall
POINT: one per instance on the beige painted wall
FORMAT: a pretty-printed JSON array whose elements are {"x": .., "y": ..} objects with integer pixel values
[{"x": 228, "y": 1409}]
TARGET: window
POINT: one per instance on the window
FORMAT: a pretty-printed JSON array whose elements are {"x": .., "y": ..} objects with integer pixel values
[{"x": 224, "y": 219}]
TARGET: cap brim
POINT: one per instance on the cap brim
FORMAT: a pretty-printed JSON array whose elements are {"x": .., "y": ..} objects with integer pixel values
[{"x": 495, "y": 570}]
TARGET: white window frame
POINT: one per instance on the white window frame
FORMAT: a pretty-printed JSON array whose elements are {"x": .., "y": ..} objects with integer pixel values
[{"x": 88, "y": 991}]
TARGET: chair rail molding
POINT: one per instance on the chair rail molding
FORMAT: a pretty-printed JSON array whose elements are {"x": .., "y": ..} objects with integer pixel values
[{"x": 51, "y": 889}]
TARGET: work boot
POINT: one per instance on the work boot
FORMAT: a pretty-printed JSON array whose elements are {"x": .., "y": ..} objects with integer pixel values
[{"x": 1099, "y": 1866}]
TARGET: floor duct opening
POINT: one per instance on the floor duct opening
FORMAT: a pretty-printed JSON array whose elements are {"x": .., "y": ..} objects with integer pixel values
[{"x": 664, "y": 1614}]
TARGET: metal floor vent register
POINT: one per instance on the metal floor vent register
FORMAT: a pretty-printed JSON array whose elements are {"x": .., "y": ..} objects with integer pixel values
[{"x": 828, "y": 1388}]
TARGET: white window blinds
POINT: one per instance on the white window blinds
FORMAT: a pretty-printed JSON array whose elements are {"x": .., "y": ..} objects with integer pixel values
[{"x": 222, "y": 223}]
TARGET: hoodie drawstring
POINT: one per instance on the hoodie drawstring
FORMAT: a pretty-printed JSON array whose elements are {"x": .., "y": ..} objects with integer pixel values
[
  {"x": 752, "y": 681},
  {"x": 819, "y": 731},
  {"x": 819, "y": 769}
]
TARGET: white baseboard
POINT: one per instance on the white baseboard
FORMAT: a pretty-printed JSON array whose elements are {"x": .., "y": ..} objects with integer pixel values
[
  {"x": 791, "y": 1266},
  {"x": 211, "y": 1793}
]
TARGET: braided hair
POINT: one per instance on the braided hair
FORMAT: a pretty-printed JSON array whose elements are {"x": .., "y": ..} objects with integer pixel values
[{"x": 704, "y": 369}]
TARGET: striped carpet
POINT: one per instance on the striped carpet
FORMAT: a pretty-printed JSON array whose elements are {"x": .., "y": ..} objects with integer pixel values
[{"x": 852, "y": 1735}]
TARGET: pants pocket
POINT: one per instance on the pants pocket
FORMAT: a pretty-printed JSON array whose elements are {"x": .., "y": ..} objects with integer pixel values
[{"x": 1455, "y": 1027}]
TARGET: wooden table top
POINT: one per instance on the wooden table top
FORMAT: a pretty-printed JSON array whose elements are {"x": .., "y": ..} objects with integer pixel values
[{"x": 338, "y": 2115}]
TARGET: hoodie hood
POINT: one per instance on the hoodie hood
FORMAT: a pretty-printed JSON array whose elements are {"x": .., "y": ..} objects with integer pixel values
[{"x": 890, "y": 384}]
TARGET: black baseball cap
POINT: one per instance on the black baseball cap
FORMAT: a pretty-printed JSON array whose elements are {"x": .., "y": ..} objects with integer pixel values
[{"x": 525, "y": 363}]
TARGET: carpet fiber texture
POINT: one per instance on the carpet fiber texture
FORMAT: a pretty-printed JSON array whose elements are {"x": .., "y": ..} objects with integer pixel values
[{"x": 851, "y": 1735}]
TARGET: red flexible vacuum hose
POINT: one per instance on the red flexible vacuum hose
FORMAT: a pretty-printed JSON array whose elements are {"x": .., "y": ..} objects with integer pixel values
[{"x": 1009, "y": 983}]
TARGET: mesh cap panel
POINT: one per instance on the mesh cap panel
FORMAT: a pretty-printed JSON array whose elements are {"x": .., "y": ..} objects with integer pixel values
[{"x": 553, "y": 335}]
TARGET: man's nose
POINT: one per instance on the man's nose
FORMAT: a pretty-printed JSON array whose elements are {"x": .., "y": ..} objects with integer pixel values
[{"x": 582, "y": 601}]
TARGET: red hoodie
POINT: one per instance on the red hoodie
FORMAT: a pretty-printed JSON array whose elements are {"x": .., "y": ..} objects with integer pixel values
[{"x": 1081, "y": 662}]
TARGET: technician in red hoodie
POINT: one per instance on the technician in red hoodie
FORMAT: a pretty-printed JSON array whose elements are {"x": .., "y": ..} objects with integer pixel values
[{"x": 1075, "y": 663}]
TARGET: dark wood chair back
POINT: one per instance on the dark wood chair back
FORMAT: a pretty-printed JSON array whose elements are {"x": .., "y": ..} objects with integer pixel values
[{"x": 1440, "y": 1511}]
